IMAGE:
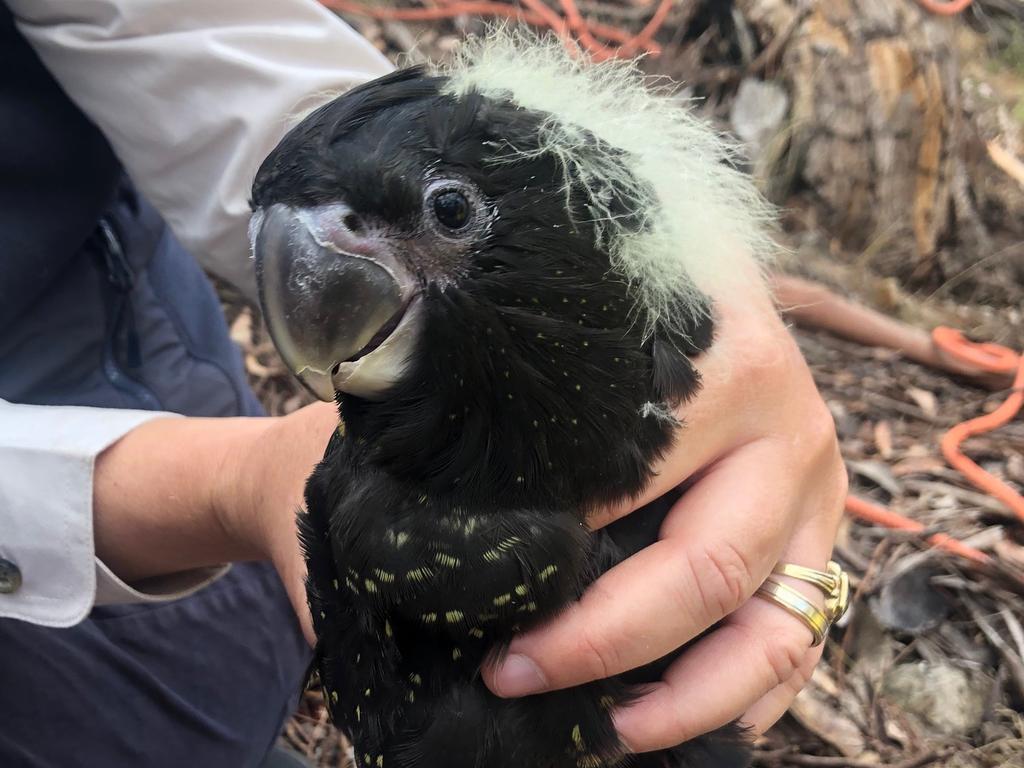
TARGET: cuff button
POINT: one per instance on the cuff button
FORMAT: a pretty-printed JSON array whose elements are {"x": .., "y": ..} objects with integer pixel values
[{"x": 10, "y": 577}]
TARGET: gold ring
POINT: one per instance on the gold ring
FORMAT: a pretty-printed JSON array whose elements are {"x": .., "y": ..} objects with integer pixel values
[
  {"x": 832, "y": 582},
  {"x": 798, "y": 605}
]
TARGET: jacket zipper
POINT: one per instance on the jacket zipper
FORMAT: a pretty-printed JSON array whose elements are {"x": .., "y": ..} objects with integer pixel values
[{"x": 118, "y": 354}]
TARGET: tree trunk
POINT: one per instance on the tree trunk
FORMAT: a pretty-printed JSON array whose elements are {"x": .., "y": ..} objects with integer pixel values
[{"x": 877, "y": 133}]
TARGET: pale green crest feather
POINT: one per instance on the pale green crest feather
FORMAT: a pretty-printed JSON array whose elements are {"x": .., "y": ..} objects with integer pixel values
[{"x": 708, "y": 225}]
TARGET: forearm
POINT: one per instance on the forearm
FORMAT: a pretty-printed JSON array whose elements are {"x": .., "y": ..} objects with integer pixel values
[{"x": 159, "y": 497}]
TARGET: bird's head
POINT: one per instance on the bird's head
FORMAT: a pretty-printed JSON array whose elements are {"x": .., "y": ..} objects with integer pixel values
[{"x": 482, "y": 267}]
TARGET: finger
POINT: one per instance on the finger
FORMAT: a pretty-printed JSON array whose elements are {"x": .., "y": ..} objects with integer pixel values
[
  {"x": 758, "y": 649},
  {"x": 765, "y": 712},
  {"x": 672, "y": 590}
]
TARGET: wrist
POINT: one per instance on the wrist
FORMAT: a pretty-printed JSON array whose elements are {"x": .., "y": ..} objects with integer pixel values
[
  {"x": 160, "y": 497},
  {"x": 233, "y": 491}
]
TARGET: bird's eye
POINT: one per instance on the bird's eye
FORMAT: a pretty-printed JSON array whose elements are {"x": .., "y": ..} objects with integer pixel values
[{"x": 452, "y": 209}]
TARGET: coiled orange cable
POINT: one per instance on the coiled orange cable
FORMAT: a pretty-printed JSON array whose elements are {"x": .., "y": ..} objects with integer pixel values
[
  {"x": 572, "y": 28},
  {"x": 945, "y": 7},
  {"x": 992, "y": 358}
]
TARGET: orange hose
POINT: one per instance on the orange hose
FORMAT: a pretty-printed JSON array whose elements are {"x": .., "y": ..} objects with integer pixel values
[
  {"x": 873, "y": 513},
  {"x": 945, "y": 7},
  {"x": 998, "y": 360},
  {"x": 992, "y": 358},
  {"x": 573, "y": 29}
]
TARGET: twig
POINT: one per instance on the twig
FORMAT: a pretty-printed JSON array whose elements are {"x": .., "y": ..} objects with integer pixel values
[
  {"x": 825, "y": 761},
  {"x": 1013, "y": 661}
]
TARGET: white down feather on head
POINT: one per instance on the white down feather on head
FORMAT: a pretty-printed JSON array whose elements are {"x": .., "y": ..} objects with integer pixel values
[{"x": 707, "y": 226}]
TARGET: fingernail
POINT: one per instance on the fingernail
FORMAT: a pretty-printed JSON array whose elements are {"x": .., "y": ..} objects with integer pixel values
[{"x": 519, "y": 676}]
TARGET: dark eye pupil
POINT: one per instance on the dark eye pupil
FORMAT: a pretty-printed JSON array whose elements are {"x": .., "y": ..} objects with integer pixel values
[{"x": 452, "y": 209}]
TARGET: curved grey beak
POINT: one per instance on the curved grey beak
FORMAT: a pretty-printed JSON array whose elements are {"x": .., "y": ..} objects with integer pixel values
[{"x": 333, "y": 297}]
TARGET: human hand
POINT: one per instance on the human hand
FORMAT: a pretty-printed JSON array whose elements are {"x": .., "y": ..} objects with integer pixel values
[
  {"x": 768, "y": 487},
  {"x": 264, "y": 479},
  {"x": 173, "y": 495}
]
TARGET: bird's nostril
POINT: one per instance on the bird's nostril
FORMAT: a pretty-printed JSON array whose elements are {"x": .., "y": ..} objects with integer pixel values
[{"x": 353, "y": 223}]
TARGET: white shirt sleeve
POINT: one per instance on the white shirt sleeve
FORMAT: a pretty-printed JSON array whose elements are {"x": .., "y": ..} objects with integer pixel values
[
  {"x": 47, "y": 455},
  {"x": 193, "y": 94}
]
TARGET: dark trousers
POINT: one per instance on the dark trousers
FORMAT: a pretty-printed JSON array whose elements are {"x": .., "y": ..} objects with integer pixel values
[{"x": 203, "y": 681}]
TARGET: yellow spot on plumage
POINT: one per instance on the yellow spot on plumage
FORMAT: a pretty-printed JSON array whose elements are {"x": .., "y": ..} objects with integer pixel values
[
  {"x": 335, "y": 583},
  {"x": 422, "y": 498},
  {"x": 547, "y": 573},
  {"x": 359, "y": 713},
  {"x": 501, "y": 600},
  {"x": 411, "y": 697},
  {"x": 577, "y": 737},
  {"x": 448, "y": 561},
  {"x": 607, "y": 702},
  {"x": 428, "y": 618},
  {"x": 521, "y": 590},
  {"x": 401, "y": 538},
  {"x": 506, "y": 544},
  {"x": 334, "y": 696},
  {"x": 386, "y": 576},
  {"x": 380, "y": 761},
  {"x": 452, "y": 617},
  {"x": 387, "y": 628},
  {"x": 456, "y": 654},
  {"x": 492, "y": 555},
  {"x": 370, "y": 585},
  {"x": 419, "y": 574},
  {"x": 366, "y": 693},
  {"x": 415, "y": 679},
  {"x": 477, "y": 633}
]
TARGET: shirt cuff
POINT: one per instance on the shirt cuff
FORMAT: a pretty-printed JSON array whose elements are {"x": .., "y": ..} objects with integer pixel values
[
  {"x": 110, "y": 590},
  {"x": 47, "y": 458}
]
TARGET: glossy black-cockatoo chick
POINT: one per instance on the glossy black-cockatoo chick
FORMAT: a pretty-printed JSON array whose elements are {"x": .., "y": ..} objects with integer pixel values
[{"x": 501, "y": 271}]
